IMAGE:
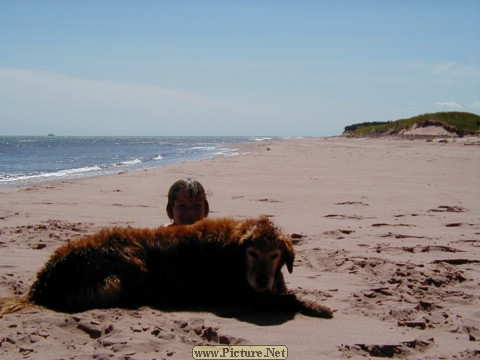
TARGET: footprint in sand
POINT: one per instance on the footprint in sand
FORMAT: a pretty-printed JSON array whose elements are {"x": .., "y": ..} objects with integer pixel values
[
  {"x": 402, "y": 215},
  {"x": 337, "y": 234},
  {"x": 402, "y": 236},
  {"x": 344, "y": 217},
  {"x": 208, "y": 333},
  {"x": 454, "y": 225},
  {"x": 448, "y": 208},
  {"x": 359, "y": 203},
  {"x": 385, "y": 224},
  {"x": 402, "y": 349}
]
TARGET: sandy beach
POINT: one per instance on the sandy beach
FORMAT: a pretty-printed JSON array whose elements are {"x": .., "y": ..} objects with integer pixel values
[{"x": 387, "y": 235}]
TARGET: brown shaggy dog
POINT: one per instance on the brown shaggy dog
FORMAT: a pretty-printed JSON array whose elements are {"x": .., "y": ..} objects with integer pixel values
[{"x": 213, "y": 262}]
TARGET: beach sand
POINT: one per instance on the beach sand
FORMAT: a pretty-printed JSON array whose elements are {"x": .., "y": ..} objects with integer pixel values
[{"x": 387, "y": 234}]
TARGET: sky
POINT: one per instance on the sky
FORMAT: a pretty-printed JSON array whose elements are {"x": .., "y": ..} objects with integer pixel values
[{"x": 230, "y": 67}]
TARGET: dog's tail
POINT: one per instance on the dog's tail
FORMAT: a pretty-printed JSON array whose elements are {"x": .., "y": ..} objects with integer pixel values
[{"x": 13, "y": 304}]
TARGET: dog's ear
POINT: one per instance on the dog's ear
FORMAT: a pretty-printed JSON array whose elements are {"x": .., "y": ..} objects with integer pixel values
[{"x": 289, "y": 254}]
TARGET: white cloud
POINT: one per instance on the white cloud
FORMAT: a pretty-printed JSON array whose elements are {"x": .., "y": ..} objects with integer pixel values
[
  {"x": 38, "y": 102},
  {"x": 444, "y": 67},
  {"x": 475, "y": 105},
  {"x": 449, "y": 104},
  {"x": 46, "y": 84}
]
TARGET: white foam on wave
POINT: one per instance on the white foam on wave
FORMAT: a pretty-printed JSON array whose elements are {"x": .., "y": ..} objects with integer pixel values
[
  {"x": 206, "y": 148},
  {"x": 227, "y": 152},
  {"x": 56, "y": 174},
  {"x": 130, "y": 162}
]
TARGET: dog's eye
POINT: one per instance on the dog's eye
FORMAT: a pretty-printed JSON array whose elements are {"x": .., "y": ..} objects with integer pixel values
[
  {"x": 252, "y": 253},
  {"x": 274, "y": 256}
]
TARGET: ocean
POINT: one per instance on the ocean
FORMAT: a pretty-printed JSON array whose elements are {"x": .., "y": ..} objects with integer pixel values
[{"x": 30, "y": 160}]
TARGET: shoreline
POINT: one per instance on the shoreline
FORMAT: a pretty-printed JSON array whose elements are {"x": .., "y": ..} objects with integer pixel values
[
  {"x": 115, "y": 161},
  {"x": 387, "y": 234},
  {"x": 245, "y": 146}
]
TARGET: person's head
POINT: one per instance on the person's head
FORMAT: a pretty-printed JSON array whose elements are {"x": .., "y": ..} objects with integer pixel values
[{"x": 187, "y": 202}]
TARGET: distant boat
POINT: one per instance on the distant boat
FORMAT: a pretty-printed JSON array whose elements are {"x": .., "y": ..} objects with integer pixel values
[{"x": 51, "y": 134}]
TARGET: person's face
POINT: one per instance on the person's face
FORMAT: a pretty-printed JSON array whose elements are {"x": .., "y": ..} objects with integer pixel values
[{"x": 186, "y": 210}]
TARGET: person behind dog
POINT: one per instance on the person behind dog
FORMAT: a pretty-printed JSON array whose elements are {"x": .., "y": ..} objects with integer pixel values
[{"x": 187, "y": 202}]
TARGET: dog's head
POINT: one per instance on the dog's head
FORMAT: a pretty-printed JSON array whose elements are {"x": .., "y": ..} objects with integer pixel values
[{"x": 266, "y": 250}]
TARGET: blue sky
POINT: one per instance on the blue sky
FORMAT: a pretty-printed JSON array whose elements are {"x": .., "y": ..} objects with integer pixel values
[{"x": 251, "y": 67}]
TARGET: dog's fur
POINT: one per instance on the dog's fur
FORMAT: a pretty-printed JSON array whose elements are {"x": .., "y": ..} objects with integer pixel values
[{"x": 213, "y": 262}]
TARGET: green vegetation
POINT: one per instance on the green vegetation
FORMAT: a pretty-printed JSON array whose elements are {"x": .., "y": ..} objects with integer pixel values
[{"x": 459, "y": 123}]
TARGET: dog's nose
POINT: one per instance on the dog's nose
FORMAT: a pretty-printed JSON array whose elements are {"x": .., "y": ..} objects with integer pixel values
[{"x": 262, "y": 281}]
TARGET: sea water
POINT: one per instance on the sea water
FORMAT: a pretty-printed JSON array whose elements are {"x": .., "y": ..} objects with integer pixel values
[{"x": 28, "y": 160}]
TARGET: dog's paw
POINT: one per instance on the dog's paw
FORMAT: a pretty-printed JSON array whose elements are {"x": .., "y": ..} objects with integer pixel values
[{"x": 313, "y": 309}]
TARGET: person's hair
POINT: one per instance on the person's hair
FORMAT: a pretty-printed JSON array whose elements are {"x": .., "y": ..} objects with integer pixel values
[{"x": 195, "y": 191}]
